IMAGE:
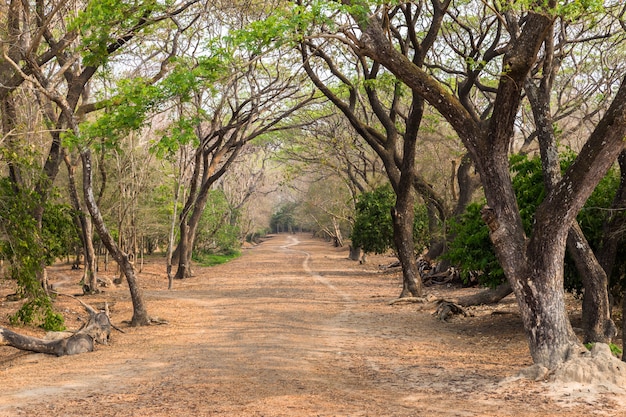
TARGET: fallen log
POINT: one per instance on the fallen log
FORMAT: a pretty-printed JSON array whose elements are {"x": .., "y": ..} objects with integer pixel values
[
  {"x": 75, "y": 344},
  {"x": 96, "y": 330}
]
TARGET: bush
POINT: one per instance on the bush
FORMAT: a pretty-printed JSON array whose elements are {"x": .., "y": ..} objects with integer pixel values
[
  {"x": 373, "y": 226},
  {"x": 28, "y": 249},
  {"x": 471, "y": 248}
]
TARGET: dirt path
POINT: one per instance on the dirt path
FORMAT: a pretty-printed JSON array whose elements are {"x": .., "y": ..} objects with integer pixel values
[{"x": 292, "y": 328}]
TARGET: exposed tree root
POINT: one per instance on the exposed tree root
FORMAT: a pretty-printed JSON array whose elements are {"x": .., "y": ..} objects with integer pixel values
[
  {"x": 429, "y": 298},
  {"x": 151, "y": 320},
  {"x": 486, "y": 297},
  {"x": 447, "y": 309},
  {"x": 597, "y": 369}
]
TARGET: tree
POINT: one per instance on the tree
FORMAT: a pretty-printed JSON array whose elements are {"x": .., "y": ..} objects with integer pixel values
[
  {"x": 255, "y": 98},
  {"x": 71, "y": 58},
  {"x": 283, "y": 219},
  {"x": 533, "y": 264},
  {"x": 387, "y": 116}
]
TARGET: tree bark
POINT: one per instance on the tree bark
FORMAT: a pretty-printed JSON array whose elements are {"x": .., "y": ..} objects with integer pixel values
[
  {"x": 140, "y": 315},
  {"x": 97, "y": 329},
  {"x": 86, "y": 231},
  {"x": 613, "y": 232},
  {"x": 596, "y": 309},
  {"x": 75, "y": 344},
  {"x": 534, "y": 266},
  {"x": 597, "y": 323},
  {"x": 355, "y": 253}
]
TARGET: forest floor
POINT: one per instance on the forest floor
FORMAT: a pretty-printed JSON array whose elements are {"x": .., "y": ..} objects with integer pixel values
[{"x": 291, "y": 328}]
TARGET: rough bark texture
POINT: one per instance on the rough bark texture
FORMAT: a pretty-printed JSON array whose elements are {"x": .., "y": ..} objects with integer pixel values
[
  {"x": 468, "y": 183},
  {"x": 75, "y": 344},
  {"x": 597, "y": 323},
  {"x": 97, "y": 329},
  {"x": 532, "y": 266}
]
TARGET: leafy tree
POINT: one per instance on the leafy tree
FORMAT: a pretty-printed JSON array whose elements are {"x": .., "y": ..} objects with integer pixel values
[
  {"x": 532, "y": 262},
  {"x": 21, "y": 245},
  {"x": 471, "y": 248},
  {"x": 373, "y": 230}
]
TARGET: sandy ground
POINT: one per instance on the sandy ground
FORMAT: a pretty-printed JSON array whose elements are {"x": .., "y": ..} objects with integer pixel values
[{"x": 291, "y": 328}]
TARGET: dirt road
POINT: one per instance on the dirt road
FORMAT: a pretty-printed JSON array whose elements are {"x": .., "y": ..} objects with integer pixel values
[{"x": 291, "y": 328}]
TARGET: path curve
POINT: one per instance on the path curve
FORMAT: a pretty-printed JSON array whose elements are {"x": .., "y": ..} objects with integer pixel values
[{"x": 291, "y": 328}]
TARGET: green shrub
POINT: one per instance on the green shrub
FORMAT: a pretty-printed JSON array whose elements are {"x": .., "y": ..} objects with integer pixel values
[
  {"x": 471, "y": 248},
  {"x": 373, "y": 226}
]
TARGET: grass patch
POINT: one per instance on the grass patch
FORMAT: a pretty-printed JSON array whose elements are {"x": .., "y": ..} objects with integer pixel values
[{"x": 211, "y": 259}]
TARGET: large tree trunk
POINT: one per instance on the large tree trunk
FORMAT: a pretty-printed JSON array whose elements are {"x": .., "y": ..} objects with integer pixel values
[
  {"x": 75, "y": 344},
  {"x": 140, "y": 315},
  {"x": 597, "y": 323},
  {"x": 613, "y": 232},
  {"x": 403, "y": 238},
  {"x": 537, "y": 280},
  {"x": 403, "y": 214}
]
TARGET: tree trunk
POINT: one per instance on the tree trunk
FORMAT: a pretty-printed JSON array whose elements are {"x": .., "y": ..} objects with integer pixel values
[
  {"x": 597, "y": 323},
  {"x": 75, "y": 344},
  {"x": 86, "y": 231},
  {"x": 596, "y": 310},
  {"x": 437, "y": 216},
  {"x": 468, "y": 184},
  {"x": 355, "y": 253},
  {"x": 537, "y": 280},
  {"x": 170, "y": 240},
  {"x": 403, "y": 239},
  {"x": 97, "y": 329},
  {"x": 140, "y": 315},
  {"x": 90, "y": 280},
  {"x": 184, "y": 253}
]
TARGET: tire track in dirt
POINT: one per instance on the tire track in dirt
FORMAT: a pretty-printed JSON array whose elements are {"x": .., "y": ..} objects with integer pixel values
[
  {"x": 291, "y": 328},
  {"x": 293, "y": 241}
]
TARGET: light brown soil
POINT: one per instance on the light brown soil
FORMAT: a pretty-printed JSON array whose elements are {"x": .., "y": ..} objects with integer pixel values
[{"x": 291, "y": 328}]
